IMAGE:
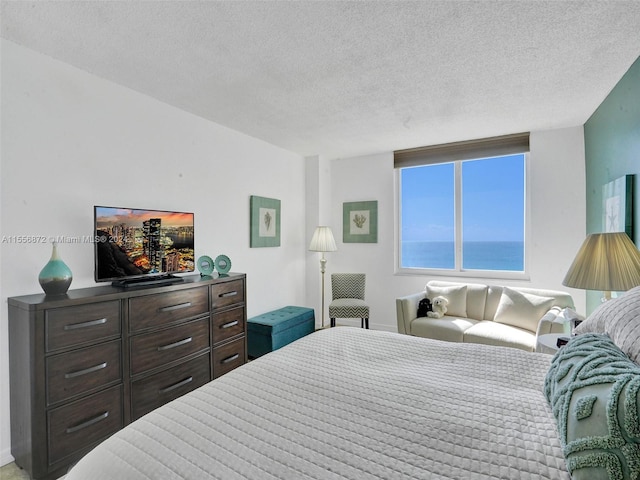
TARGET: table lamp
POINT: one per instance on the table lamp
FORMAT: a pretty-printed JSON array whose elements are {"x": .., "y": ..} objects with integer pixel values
[{"x": 606, "y": 262}]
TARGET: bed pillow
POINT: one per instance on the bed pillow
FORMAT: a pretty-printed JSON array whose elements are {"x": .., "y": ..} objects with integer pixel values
[
  {"x": 522, "y": 310},
  {"x": 456, "y": 294},
  {"x": 592, "y": 388},
  {"x": 620, "y": 319}
]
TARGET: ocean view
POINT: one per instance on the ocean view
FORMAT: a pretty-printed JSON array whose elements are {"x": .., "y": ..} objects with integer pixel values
[{"x": 508, "y": 256}]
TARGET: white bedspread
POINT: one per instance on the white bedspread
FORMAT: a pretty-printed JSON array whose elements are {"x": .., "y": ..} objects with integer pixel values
[{"x": 346, "y": 403}]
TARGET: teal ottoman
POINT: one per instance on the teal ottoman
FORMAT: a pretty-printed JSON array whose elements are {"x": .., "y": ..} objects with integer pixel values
[{"x": 272, "y": 330}]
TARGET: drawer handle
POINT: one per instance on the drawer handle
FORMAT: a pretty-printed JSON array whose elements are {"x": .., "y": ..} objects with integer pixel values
[
  {"x": 175, "y": 344},
  {"x": 90, "y": 323},
  {"x": 230, "y": 324},
  {"x": 175, "y": 307},
  {"x": 88, "y": 423},
  {"x": 79, "y": 373},
  {"x": 228, "y": 294},
  {"x": 176, "y": 385},
  {"x": 231, "y": 358}
]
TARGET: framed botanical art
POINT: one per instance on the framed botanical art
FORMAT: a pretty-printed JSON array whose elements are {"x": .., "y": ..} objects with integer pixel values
[
  {"x": 360, "y": 222},
  {"x": 617, "y": 206},
  {"x": 264, "y": 222}
]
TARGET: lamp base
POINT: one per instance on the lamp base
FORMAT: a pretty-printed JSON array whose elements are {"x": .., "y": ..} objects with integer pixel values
[{"x": 323, "y": 267}]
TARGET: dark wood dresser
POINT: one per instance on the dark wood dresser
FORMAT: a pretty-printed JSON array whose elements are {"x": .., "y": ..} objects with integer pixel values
[{"x": 85, "y": 364}]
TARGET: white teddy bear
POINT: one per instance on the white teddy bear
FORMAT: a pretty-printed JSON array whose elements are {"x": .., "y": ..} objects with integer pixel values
[{"x": 438, "y": 307}]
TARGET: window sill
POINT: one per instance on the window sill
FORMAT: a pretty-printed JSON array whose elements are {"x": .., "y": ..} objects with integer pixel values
[{"x": 478, "y": 274}]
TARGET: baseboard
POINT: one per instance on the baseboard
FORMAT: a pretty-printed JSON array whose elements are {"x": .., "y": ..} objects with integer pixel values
[{"x": 6, "y": 457}]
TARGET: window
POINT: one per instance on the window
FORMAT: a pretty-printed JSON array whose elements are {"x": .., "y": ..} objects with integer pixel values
[{"x": 463, "y": 216}]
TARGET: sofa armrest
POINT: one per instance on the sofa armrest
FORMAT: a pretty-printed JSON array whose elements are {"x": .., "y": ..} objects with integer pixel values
[
  {"x": 407, "y": 311},
  {"x": 552, "y": 322}
]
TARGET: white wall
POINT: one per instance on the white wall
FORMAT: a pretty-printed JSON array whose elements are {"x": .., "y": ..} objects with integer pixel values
[
  {"x": 71, "y": 140},
  {"x": 557, "y": 222}
]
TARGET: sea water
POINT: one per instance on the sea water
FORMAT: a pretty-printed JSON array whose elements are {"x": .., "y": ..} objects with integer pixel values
[{"x": 506, "y": 256}]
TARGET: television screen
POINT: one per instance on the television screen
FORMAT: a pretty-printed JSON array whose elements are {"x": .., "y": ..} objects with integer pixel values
[{"x": 133, "y": 243}]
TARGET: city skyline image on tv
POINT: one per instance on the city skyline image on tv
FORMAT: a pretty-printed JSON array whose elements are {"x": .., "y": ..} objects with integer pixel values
[{"x": 137, "y": 242}]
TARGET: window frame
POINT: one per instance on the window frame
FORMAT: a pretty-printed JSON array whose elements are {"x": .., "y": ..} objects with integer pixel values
[{"x": 458, "y": 271}]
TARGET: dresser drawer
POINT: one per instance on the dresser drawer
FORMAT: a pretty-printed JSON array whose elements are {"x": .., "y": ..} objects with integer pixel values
[
  {"x": 84, "y": 423},
  {"x": 227, "y": 293},
  {"x": 156, "y": 390},
  {"x": 166, "y": 308},
  {"x": 81, "y": 324},
  {"x": 152, "y": 350},
  {"x": 228, "y": 324},
  {"x": 73, "y": 373},
  {"x": 227, "y": 357}
]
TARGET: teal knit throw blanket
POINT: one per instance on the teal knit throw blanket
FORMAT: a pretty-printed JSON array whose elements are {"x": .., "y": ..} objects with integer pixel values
[{"x": 592, "y": 387}]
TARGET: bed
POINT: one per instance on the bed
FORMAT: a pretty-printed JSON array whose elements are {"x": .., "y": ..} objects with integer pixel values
[{"x": 347, "y": 403}]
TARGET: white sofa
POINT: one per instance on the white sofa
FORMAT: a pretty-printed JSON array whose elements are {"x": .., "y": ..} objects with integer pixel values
[{"x": 489, "y": 314}]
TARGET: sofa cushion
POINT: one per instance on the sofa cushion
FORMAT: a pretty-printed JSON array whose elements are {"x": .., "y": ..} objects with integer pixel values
[
  {"x": 450, "y": 329},
  {"x": 620, "y": 319},
  {"x": 456, "y": 294},
  {"x": 476, "y": 297},
  {"x": 494, "y": 294},
  {"x": 492, "y": 333},
  {"x": 593, "y": 389},
  {"x": 522, "y": 310}
]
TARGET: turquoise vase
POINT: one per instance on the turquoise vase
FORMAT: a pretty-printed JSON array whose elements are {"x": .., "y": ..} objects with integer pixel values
[{"x": 55, "y": 277}]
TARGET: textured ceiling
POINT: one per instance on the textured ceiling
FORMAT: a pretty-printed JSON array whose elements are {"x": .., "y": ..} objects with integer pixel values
[{"x": 345, "y": 78}]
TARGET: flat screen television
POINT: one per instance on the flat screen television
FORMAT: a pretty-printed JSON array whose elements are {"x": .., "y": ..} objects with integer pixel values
[{"x": 136, "y": 247}]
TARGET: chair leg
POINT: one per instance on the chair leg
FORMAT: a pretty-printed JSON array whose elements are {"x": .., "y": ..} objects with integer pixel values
[
  {"x": 366, "y": 323},
  {"x": 333, "y": 322},
  {"x": 362, "y": 323}
]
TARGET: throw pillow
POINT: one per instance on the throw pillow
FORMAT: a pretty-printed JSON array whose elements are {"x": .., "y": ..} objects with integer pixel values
[
  {"x": 595, "y": 323},
  {"x": 620, "y": 319},
  {"x": 456, "y": 294},
  {"x": 592, "y": 388},
  {"x": 522, "y": 310}
]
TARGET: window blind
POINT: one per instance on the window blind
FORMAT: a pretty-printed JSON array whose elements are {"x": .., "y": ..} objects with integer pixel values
[{"x": 467, "y": 150}]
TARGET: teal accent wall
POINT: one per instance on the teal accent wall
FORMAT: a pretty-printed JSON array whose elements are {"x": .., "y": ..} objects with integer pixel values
[{"x": 612, "y": 149}]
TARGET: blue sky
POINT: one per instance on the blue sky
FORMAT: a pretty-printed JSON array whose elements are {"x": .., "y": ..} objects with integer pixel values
[{"x": 493, "y": 203}]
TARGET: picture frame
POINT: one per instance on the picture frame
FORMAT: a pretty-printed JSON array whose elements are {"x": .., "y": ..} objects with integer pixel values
[
  {"x": 617, "y": 206},
  {"x": 360, "y": 222},
  {"x": 264, "y": 214}
]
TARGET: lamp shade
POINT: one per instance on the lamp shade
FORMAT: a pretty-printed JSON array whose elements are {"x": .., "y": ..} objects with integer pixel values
[
  {"x": 322, "y": 240},
  {"x": 605, "y": 262}
]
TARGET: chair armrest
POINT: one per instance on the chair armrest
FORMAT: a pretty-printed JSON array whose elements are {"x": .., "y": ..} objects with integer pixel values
[
  {"x": 407, "y": 311},
  {"x": 552, "y": 322}
]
